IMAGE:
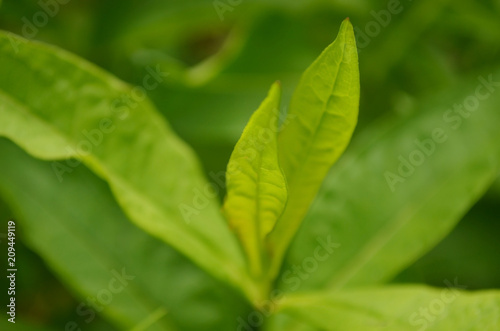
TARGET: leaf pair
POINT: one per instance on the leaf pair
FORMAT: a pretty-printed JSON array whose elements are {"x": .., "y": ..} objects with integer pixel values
[
  {"x": 265, "y": 205},
  {"x": 58, "y": 107}
]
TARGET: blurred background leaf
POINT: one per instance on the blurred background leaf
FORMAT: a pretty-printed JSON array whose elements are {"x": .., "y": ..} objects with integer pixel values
[{"x": 83, "y": 236}]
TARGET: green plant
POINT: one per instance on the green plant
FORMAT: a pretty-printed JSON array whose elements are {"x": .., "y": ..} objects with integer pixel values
[{"x": 274, "y": 174}]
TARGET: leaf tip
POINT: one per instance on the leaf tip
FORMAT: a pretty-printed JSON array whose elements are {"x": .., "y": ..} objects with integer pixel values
[
  {"x": 346, "y": 23},
  {"x": 276, "y": 88},
  {"x": 276, "y": 85}
]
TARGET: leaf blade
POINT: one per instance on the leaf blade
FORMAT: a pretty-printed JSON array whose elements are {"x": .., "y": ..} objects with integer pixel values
[
  {"x": 323, "y": 115},
  {"x": 398, "y": 308},
  {"x": 256, "y": 186}
]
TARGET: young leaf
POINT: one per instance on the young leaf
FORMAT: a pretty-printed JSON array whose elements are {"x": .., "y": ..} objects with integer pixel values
[
  {"x": 322, "y": 117},
  {"x": 256, "y": 187},
  {"x": 394, "y": 308},
  {"x": 81, "y": 112},
  {"x": 385, "y": 211}
]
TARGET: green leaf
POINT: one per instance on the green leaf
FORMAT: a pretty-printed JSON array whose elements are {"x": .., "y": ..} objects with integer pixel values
[
  {"x": 322, "y": 117},
  {"x": 386, "y": 215},
  {"x": 256, "y": 187},
  {"x": 408, "y": 307},
  {"x": 82, "y": 234},
  {"x": 79, "y": 111}
]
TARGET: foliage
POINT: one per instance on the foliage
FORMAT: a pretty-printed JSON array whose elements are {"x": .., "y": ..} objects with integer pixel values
[{"x": 119, "y": 180}]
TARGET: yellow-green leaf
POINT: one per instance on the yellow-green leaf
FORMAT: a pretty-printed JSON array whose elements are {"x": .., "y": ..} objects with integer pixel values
[
  {"x": 256, "y": 187},
  {"x": 322, "y": 117}
]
